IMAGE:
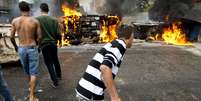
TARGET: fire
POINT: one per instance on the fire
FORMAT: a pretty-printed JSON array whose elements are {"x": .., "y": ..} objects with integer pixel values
[
  {"x": 71, "y": 17},
  {"x": 156, "y": 37},
  {"x": 70, "y": 12},
  {"x": 175, "y": 35},
  {"x": 72, "y": 21},
  {"x": 108, "y": 31},
  {"x": 64, "y": 42}
]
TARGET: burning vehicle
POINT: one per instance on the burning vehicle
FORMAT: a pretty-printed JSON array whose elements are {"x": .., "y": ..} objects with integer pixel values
[
  {"x": 181, "y": 25},
  {"x": 176, "y": 32},
  {"x": 96, "y": 28},
  {"x": 172, "y": 33}
]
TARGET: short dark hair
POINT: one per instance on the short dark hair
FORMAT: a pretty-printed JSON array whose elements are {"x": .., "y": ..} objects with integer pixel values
[
  {"x": 125, "y": 31},
  {"x": 44, "y": 7},
  {"x": 24, "y": 6}
]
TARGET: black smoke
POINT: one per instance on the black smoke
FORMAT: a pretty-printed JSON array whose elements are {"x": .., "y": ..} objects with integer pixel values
[
  {"x": 121, "y": 7},
  {"x": 172, "y": 8}
]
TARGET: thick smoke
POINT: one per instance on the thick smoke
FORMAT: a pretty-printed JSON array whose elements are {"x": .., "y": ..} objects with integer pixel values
[
  {"x": 120, "y": 7},
  {"x": 172, "y": 8},
  {"x": 54, "y": 7},
  {"x": 12, "y": 9},
  {"x": 35, "y": 7}
]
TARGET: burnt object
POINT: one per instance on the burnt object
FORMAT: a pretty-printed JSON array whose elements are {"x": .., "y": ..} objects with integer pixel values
[
  {"x": 89, "y": 25},
  {"x": 191, "y": 29},
  {"x": 144, "y": 30},
  {"x": 86, "y": 26}
]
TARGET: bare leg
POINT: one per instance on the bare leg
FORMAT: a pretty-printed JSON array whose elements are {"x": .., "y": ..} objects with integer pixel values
[{"x": 32, "y": 88}]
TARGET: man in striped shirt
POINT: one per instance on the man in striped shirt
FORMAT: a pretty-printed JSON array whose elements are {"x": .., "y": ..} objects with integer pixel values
[{"x": 103, "y": 68}]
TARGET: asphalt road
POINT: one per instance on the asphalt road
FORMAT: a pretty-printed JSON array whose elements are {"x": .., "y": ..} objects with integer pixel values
[{"x": 148, "y": 73}]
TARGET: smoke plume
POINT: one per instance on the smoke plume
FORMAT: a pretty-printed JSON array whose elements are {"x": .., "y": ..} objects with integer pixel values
[
  {"x": 120, "y": 7},
  {"x": 172, "y": 8}
]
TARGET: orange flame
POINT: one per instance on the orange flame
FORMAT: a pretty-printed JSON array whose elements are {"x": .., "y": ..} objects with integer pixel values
[
  {"x": 175, "y": 35},
  {"x": 108, "y": 32},
  {"x": 71, "y": 16},
  {"x": 70, "y": 12},
  {"x": 64, "y": 42}
]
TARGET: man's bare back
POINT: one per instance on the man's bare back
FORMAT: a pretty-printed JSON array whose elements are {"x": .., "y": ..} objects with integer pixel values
[{"x": 28, "y": 30}]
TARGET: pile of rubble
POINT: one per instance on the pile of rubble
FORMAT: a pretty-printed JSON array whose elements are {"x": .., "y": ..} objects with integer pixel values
[{"x": 7, "y": 53}]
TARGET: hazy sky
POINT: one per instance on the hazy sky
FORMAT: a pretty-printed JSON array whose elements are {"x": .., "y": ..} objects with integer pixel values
[{"x": 29, "y": 1}]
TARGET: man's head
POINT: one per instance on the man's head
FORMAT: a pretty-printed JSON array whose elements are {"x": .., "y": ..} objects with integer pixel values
[
  {"x": 44, "y": 8},
  {"x": 125, "y": 32},
  {"x": 24, "y": 6}
]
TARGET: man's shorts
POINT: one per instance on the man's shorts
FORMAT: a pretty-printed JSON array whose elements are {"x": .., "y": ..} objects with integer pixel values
[{"x": 29, "y": 58}]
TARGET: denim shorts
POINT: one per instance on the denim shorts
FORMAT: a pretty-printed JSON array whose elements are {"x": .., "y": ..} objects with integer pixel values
[{"x": 29, "y": 58}]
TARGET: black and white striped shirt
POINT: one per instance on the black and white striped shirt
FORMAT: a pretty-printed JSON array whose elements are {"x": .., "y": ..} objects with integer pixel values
[{"x": 91, "y": 85}]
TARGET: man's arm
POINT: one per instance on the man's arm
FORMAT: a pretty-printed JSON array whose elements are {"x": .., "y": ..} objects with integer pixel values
[
  {"x": 12, "y": 37},
  {"x": 109, "y": 82}
]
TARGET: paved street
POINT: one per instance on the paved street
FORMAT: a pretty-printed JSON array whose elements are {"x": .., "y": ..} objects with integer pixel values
[{"x": 149, "y": 72}]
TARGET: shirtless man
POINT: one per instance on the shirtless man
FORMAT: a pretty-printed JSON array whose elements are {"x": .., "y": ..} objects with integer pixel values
[{"x": 28, "y": 30}]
